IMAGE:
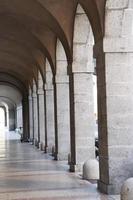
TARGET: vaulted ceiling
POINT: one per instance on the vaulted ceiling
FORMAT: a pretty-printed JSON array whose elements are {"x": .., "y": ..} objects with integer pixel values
[{"x": 29, "y": 30}]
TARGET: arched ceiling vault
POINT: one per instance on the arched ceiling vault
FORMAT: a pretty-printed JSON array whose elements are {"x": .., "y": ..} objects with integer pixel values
[
  {"x": 11, "y": 93},
  {"x": 29, "y": 30},
  {"x": 11, "y": 79},
  {"x": 7, "y": 101}
]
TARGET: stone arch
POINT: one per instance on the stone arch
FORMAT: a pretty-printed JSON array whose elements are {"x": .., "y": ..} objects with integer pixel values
[
  {"x": 6, "y": 114},
  {"x": 48, "y": 72},
  {"x": 40, "y": 80},
  {"x": 83, "y": 41},
  {"x": 95, "y": 11},
  {"x": 11, "y": 96},
  {"x": 61, "y": 59},
  {"x": 13, "y": 78},
  {"x": 3, "y": 116}
]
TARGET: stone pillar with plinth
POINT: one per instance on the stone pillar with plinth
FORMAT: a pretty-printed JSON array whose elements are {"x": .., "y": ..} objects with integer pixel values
[
  {"x": 31, "y": 117},
  {"x": 41, "y": 110},
  {"x": 62, "y": 104},
  {"x": 50, "y": 121},
  {"x": 35, "y": 113},
  {"x": 115, "y": 97},
  {"x": 81, "y": 94}
]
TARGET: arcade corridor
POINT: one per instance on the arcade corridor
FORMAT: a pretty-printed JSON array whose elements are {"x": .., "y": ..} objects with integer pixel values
[
  {"x": 35, "y": 176},
  {"x": 66, "y": 87}
]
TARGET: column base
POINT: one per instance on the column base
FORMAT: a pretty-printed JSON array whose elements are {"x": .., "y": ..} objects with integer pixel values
[{"x": 108, "y": 188}]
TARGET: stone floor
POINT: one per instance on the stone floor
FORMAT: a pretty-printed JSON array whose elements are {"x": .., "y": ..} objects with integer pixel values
[{"x": 28, "y": 174}]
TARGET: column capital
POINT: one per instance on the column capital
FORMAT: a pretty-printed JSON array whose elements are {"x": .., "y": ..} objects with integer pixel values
[
  {"x": 74, "y": 73},
  {"x": 40, "y": 91},
  {"x": 48, "y": 86},
  {"x": 34, "y": 95}
]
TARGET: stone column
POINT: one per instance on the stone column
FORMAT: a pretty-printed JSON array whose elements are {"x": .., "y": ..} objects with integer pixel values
[
  {"x": 31, "y": 118},
  {"x": 63, "y": 120},
  {"x": 15, "y": 117},
  {"x": 19, "y": 116},
  {"x": 50, "y": 120},
  {"x": 35, "y": 125},
  {"x": 50, "y": 117},
  {"x": 41, "y": 108},
  {"x": 25, "y": 108},
  {"x": 7, "y": 113},
  {"x": 115, "y": 98},
  {"x": 81, "y": 94},
  {"x": 61, "y": 86},
  {"x": 83, "y": 122},
  {"x": 5, "y": 117},
  {"x": 12, "y": 119}
]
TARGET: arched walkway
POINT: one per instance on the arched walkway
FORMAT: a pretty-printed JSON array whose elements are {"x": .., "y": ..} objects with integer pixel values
[{"x": 51, "y": 53}]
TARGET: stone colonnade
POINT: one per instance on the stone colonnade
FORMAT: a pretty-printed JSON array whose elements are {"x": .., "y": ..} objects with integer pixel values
[{"x": 65, "y": 100}]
